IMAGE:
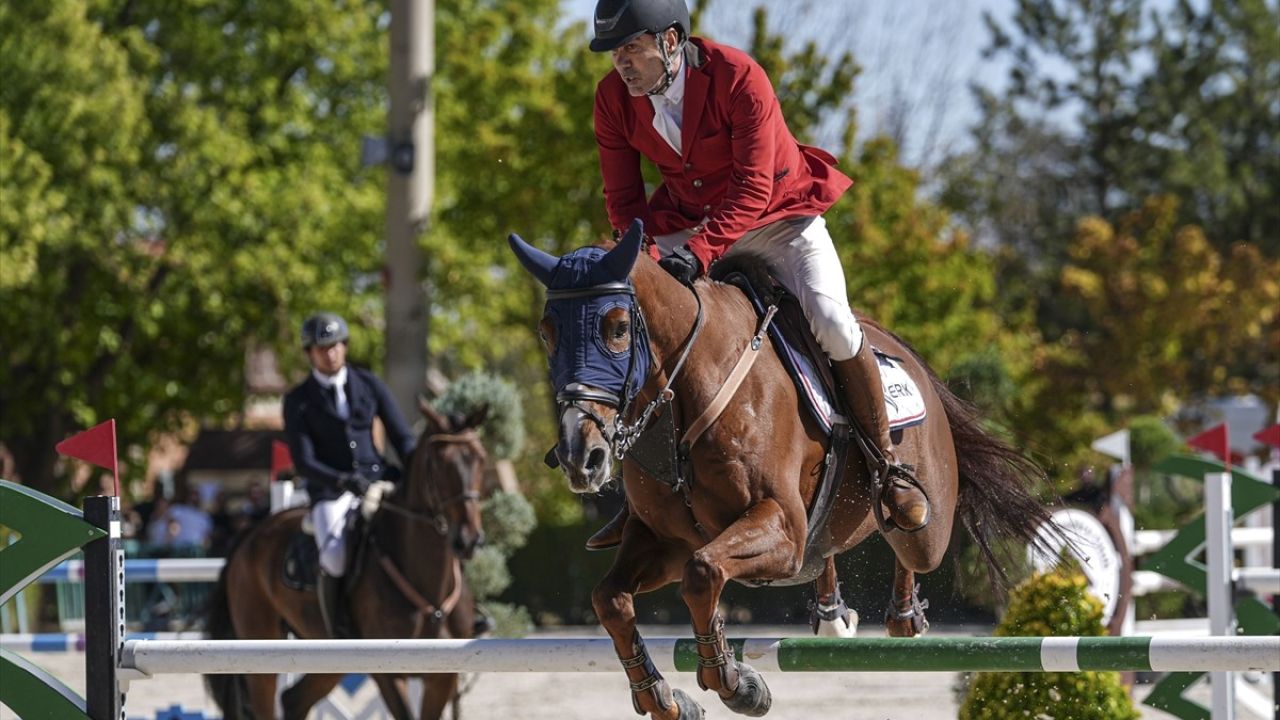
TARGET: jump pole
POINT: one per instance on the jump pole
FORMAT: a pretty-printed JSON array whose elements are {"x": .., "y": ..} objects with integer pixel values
[{"x": 141, "y": 659}]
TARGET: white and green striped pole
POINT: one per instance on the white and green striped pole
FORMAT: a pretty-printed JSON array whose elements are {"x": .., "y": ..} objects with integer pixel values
[{"x": 147, "y": 658}]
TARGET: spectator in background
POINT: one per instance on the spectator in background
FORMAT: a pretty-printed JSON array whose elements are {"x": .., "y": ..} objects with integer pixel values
[
  {"x": 160, "y": 526},
  {"x": 194, "y": 524},
  {"x": 257, "y": 503}
]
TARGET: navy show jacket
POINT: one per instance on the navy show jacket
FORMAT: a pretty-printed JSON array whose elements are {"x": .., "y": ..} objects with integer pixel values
[{"x": 325, "y": 446}]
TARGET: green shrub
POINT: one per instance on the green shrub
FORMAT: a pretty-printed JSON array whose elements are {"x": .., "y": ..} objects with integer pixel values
[
  {"x": 503, "y": 430},
  {"x": 487, "y": 573},
  {"x": 1051, "y": 604},
  {"x": 508, "y": 519}
]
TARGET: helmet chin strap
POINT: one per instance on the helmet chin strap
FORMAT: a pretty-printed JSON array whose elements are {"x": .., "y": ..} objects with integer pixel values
[{"x": 669, "y": 72}]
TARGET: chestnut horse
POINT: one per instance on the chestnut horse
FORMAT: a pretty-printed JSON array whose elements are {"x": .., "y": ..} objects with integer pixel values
[
  {"x": 628, "y": 343},
  {"x": 408, "y": 585}
]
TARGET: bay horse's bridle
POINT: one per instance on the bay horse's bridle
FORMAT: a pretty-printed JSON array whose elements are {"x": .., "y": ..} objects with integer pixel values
[{"x": 435, "y": 512}]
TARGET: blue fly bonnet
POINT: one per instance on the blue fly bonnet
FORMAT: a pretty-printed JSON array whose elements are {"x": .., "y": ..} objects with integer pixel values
[{"x": 582, "y": 287}]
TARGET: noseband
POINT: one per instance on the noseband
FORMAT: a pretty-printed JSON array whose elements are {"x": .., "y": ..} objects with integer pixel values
[{"x": 622, "y": 435}]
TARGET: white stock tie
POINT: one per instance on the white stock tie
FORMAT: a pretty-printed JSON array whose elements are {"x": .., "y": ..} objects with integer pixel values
[{"x": 666, "y": 120}]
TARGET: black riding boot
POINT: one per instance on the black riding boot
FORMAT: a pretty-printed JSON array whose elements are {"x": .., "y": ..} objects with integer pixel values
[
  {"x": 610, "y": 536},
  {"x": 329, "y": 592},
  {"x": 859, "y": 379}
]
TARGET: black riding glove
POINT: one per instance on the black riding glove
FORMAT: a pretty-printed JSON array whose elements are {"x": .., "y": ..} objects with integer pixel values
[
  {"x": 682, "y": 264},
  {"x": 354, "y": 483}
]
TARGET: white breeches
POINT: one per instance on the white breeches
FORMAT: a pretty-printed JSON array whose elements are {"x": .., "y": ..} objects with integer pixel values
[
  {"x": 800, "y": 255},
  {"x": 328, "y": 517}
]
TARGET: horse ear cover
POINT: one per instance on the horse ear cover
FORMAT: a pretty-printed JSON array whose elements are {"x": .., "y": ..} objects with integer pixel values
[
  {"x": 541, "y": 265},
  {"x": 619, "y": 261}
]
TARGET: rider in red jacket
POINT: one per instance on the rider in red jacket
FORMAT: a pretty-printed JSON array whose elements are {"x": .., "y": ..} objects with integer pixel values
[{"x": 734, "y": 180}]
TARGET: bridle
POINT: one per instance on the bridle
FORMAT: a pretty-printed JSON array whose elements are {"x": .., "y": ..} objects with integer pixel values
[
  {"x": 435, "y": 516},
  {"x": 622, "y": 435},
  {"x": 435, "y": 512}
]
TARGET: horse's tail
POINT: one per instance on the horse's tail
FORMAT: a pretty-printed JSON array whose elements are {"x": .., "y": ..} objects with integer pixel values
[
  {"x": 228, "y": 691},
  {"x": 996, "y": 484}
]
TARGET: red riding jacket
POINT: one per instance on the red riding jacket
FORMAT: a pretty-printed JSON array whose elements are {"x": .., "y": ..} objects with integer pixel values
[{"x": 739, "y": 166}]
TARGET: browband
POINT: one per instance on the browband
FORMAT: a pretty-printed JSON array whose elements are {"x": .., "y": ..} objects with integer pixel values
[{"x": 613, "y": 288}]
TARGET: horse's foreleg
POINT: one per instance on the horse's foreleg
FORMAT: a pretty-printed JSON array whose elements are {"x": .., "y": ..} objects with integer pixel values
[
  {"x": 757, "y": 546},
  {"x": 438, "y": 689},
  {"x": 262, "y": 695},
  {"x": 310, "y": 689},
  {"x": 642, "y": 564},
  {"x": 830, "y": 616},
  {"x": 392, "y": 690},
  {"x": 905, "y": 615}
]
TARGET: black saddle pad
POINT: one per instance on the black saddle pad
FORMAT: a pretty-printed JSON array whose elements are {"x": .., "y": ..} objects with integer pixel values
[{"x": 301, "y": 563}]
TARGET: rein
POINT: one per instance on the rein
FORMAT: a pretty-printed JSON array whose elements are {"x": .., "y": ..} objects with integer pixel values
[
  {"x": 424, "y": 607},
  {"x": 434, "y": 515},
  {"x": 625, "y": 435}
]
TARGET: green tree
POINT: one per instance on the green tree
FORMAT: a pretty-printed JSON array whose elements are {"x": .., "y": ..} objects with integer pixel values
[
  {"x": 1208, "y": 110},
  {"x": 179, "y": 188},
  {"x": 1126, "y": 175},
  {"x": 1179, "y": 312}
]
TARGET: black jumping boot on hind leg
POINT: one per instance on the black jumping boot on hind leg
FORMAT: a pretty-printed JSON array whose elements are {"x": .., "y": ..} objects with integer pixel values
[{"x": 900, "y": 492}]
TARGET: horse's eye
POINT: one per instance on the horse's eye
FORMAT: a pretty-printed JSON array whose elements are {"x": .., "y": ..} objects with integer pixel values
[
  {"x": 621, "y": 329},
  {"x": 547, "y": 334}
]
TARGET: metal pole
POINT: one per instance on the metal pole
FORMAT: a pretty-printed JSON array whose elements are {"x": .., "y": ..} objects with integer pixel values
[
  {"x": 103, "y": 610},
  {"x": 410, "y": 192},
  {"x": 1218, "y": 555}
]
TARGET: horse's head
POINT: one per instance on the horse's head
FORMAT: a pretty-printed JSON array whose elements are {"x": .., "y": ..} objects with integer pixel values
[
  {"x": 596, "y": 346},
  {"x": 447, "y": 475}
]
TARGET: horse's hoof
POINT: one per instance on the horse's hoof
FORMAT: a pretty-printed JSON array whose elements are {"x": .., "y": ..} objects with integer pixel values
[
  {"x": 689, "y": 708},
  {"x": 752, "y": 698}
]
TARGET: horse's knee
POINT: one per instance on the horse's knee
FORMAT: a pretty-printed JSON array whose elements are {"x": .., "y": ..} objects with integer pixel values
[
  {"x": 611, "y": 603},
  {"x": 701, "y": 576}
]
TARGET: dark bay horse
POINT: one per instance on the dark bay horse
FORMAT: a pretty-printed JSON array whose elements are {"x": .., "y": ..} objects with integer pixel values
[
  {"x": 626, "y": 341},
  {"x": 408, "y": 583}
]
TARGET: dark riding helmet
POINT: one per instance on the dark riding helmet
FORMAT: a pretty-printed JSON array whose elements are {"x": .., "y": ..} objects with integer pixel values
[
  {"x": 617, "y": 22},
  {"x": 324, "y": 328}
]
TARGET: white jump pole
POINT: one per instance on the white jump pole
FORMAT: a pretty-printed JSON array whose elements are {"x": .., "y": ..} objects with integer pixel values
[{"x": 1219, "y": 556}]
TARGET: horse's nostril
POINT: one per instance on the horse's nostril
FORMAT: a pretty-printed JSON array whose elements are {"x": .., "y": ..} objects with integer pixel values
[{"x": 595, "y": 459}]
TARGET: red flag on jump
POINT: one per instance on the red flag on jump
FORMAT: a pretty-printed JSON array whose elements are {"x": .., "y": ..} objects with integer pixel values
[
  {"x": 281, "y": 458},
  {"x": 1270, "y": 436},
  {"x": 97, "y": 445},
  {"x": 1214, "y": 440}
]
